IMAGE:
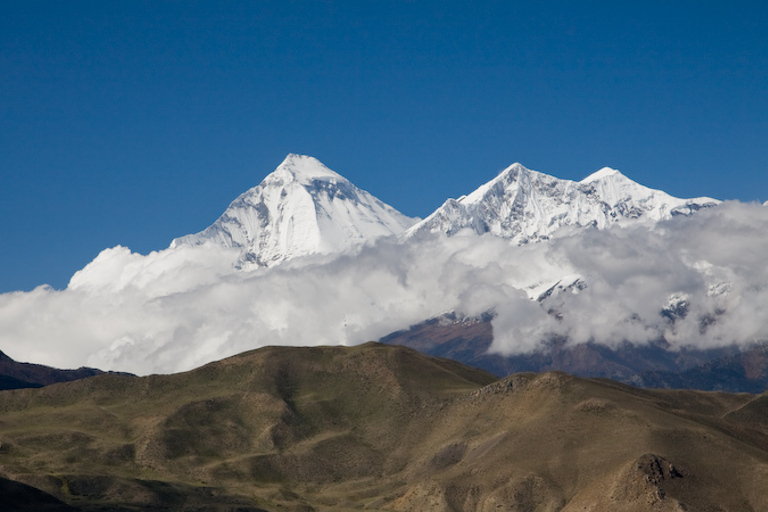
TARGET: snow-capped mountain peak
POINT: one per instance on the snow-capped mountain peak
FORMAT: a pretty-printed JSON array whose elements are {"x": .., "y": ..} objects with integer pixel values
[
  {"x": 304, "y": 169},
  {"x": 528, "y": 206},
  {"x": 614, "y": 189},
  {"x": 514, "y": 173},
  {"x": 301, "y": 208},
  {"x": 602, "y": 174}
]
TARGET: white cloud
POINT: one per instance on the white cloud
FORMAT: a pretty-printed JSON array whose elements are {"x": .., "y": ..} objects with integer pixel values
[{"x": 175, "y": 309}]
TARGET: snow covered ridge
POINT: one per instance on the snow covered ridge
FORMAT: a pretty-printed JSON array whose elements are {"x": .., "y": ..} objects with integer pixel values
[
  {"x": 527, "y": 206},
  {"x": 698, "y": 281},
  {"x": 302, "y": 208},
  {"x": 305, "y": 208}
]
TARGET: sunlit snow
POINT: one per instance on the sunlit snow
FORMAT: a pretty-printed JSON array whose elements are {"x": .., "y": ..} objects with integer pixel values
[{"x": 342, "y": 280}]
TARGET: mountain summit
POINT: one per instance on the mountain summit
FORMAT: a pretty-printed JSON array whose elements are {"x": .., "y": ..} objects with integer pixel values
[
  {"x": 528, "y": 206},
  {"x": 305, "y": 208},
  {"x": 302, "y": 208}
]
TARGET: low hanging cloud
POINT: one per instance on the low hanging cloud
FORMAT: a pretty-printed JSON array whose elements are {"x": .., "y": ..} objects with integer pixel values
[
  {"x": 176, "y": 309},
  {"x": 708, "y": 270}
]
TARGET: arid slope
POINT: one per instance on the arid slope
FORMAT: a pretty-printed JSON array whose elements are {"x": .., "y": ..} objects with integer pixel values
[{"x": 382, "y": 428}]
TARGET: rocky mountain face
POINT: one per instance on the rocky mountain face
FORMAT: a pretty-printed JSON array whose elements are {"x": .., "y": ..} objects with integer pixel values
[
  {"x": 378, "y": 428},
  {"x": 469, "y": 340},
  {"x": 743, "y": 371},
  {"x": 301, "y": 208},
  {"x": 526, "y": 206}
]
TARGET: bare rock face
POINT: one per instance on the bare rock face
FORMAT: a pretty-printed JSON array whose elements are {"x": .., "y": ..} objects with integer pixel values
[{"x": 650, "y": 481}]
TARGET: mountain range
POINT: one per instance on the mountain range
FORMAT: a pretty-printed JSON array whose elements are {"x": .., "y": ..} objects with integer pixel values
[
  {"x": 304, "y": 208},
  {"x": 379, "y": 428},
  {"x": 526, "y": 275},
  {"x": 526, "y": 206},
  {"x": 559, "y": 270},
  {"x": 468, "y": 339}
]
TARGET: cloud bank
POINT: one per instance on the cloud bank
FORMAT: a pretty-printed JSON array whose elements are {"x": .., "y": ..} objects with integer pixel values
[{"x": 700, "y": 281}]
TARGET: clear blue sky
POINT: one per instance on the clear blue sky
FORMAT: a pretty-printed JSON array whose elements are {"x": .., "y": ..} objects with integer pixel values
[{"x": 136, "y": 122}]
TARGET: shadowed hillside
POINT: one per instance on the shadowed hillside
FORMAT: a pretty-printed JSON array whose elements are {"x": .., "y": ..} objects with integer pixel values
[
  {"x": 16, "y": 375},
  {"x": 468, "y": 340},
  {"x": 377, "y": 427}
]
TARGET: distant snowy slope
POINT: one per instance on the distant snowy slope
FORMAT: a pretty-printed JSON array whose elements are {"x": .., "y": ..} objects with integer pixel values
[
  {"x": 302, "y": 208},
  {"x": 697, "y": 281},
  {"x": 528, "y": 206}
]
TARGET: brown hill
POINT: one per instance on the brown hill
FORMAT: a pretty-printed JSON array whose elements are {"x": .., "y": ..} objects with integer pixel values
[{"x": 377, "y": 427}]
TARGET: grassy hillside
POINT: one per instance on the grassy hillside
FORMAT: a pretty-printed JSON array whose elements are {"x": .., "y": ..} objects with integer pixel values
[{"x": 381, "y": 428}]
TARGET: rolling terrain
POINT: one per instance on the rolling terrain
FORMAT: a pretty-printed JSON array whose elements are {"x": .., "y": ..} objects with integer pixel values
[{"x": 378, "y": 427}]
